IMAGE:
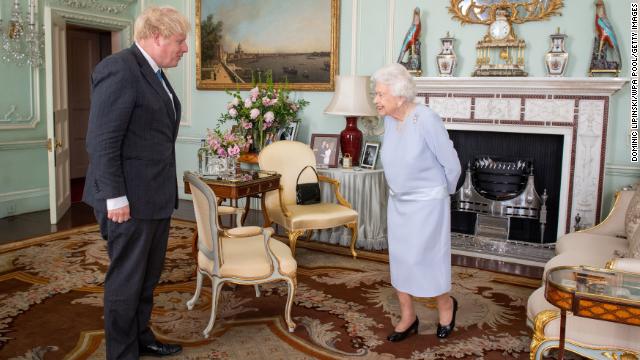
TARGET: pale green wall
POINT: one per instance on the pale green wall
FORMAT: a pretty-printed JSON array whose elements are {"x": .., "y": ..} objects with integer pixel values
[{"x": 372, "y": 37}]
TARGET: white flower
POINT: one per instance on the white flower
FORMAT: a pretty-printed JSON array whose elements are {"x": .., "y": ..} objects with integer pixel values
[
  {"x": 248, "y": 102},
  {"x": 233, "y": 112},
  {"x": 254, "y": 113},
  {"x": 269, "y": 117}
]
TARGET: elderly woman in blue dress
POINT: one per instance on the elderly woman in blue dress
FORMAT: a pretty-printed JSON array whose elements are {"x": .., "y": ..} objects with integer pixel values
[{"x": 422, "y": 169}]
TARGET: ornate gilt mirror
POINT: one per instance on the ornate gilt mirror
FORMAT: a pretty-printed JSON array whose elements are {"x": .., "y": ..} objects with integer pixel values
[
  {"x": 500, "y": 52},
  {"x": 520, "y": 11}
]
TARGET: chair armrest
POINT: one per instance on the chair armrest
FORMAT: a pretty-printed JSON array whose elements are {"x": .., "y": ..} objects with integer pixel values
[
  {"x": 613, "y": 225},
  {"x": 243, "y": 231},
  {"x": 625, "y": 264},
  {"x": 266, "y": 235},
  {"x": 283, "y": 207},
  {"x": 336, "y": 189}
]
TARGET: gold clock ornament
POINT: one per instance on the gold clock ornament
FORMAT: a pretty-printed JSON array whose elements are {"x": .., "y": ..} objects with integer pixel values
[{"x": 500, "y": 52}]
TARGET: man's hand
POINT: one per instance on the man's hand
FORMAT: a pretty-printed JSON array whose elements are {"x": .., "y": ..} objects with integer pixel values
[{"x": 119, "y": 215}]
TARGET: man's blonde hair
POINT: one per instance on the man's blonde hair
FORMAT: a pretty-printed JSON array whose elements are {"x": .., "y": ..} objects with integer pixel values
[{"x": 165, "y": 21}]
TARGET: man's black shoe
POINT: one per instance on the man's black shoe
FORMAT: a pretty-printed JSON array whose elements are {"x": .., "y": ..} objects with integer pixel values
[{"x": 159, "y": 349}]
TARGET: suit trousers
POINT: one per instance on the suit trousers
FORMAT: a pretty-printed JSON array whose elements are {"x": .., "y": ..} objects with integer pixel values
[{"x": 137, "y": 250}]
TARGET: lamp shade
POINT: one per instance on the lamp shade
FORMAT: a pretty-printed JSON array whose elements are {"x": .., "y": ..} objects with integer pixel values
[{"x": 351, "y": 97}]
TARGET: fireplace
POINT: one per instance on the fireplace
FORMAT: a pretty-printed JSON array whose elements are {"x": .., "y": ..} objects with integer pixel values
[
  {"x": 516, "y": 157},
  {"x": 563, "y": 121}
]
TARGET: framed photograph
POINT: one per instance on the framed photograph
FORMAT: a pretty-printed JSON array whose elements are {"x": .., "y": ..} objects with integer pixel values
[
  {"x": 369, "y": 155},
  {"x": 238, "y": 42},
  {"x": 290, "y": 132},
  {"x": 325, "y": 147}
]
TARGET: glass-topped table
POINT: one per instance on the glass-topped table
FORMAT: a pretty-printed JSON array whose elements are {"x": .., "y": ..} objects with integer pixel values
[{"x": 593, "y": 293}]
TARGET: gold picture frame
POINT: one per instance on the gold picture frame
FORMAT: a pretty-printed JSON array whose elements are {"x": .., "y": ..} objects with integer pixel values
[{"x": 236, "y": 48}]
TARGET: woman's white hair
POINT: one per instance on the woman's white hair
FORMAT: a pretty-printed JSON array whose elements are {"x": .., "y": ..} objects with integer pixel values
[{"x": 398, "y": 79}]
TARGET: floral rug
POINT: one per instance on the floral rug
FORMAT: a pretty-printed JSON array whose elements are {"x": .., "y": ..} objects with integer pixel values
[{"x": 51, "y": 308}]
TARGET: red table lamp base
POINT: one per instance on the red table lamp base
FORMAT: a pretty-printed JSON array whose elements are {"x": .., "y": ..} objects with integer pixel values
[{"x": 351, "y": 140}]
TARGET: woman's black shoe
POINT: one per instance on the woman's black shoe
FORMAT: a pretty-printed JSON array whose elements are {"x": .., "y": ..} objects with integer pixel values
[
  {"x": 444, "y": 331},
  {"x": 399, "y": 336}
]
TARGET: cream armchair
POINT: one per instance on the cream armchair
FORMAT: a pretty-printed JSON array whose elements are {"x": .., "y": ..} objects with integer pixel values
[
  {"x": 242, "y": 255},
  {"x": 287, "y": 158},
  {"x": 595, "y": 247}
]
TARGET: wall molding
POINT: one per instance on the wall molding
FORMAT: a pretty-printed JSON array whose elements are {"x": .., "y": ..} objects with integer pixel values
[
  {"x": 14, "y": 120},
  {"x": 391, "y": 14},
  {"x": 24, "y": 194},
  {"x": 108, "y": 6},
  {"x": 355, "y": 12},
  {"x": 109, "y": 23},
  {"x": 623, "y": 170},
  {"x": 23, "y": 144},
  {"x": 520, "y": 85}
]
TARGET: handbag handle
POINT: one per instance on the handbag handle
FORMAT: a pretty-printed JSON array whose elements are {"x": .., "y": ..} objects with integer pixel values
[{"x": 303, "y": 169}]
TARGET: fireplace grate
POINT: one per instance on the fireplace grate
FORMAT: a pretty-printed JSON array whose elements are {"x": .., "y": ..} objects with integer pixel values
[{"x": 497, "y": 190}]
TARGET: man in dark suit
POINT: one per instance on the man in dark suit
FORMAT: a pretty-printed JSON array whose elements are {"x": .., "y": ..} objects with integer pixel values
[{"x": 131, "y": 181}]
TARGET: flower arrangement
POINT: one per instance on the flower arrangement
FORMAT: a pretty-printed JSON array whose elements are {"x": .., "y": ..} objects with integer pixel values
[
  {"x": 263, "y": 113},
  {"x": 227, "y": 144}
]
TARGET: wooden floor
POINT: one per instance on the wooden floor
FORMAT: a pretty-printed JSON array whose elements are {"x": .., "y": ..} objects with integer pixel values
[{"x": 26, "y": 226}]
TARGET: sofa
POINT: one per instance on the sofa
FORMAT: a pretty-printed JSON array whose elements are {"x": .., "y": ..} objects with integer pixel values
[{"x": 607, "y": 245}]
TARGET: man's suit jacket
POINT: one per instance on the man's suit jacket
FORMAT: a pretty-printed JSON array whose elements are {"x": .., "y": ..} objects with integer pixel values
[{"x": 131, "y": 137}]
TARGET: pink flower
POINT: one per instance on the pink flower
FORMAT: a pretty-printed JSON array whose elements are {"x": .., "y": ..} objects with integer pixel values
[
  {"x": 269, "y": 117},
  {"x": 233, "y": 151},
  {"x": 254, "y": 113},
  {"x": 266, "y": 101},
  {"x": 273, "y": 101},
  {"x": 247, "y": 125},
  {"x": 254, "y": 93},
  {"x": 233, "y": 112},
  {"x": 221, "y": 152},
  {"x": 248, "y": 103}
]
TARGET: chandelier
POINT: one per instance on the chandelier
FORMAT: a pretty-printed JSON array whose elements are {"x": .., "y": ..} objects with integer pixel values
[{"x": 22, "y": 41}]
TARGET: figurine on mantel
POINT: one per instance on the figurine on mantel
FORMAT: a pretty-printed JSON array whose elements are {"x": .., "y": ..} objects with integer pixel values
[
  {"x": 556, "y": 59},
  {"x": 409, "y": 56},
  {"x": 605, "y": 57},
  {"x": 447, "y": 58}
]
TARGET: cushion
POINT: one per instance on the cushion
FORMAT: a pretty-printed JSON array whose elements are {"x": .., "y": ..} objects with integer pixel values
[
  {"x": 632, "y": 217},
  {"x": 246, "y": 259},
  {"x": 584, "y": 241}
]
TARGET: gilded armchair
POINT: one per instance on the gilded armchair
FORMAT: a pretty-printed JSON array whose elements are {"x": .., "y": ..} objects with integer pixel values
[
  {"x": 243, "y": 255},
  {"x": 288, "y": 158}
]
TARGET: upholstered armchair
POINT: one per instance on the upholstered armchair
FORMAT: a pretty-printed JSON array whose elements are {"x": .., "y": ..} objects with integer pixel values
[
  {"x": 243, "y": 255},
  {"x": 601, "y": 247},
  {"x": 288, "y": 158}
]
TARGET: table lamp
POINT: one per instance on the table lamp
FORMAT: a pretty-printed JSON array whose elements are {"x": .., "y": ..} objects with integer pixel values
[{"x": 351, "y": 99}]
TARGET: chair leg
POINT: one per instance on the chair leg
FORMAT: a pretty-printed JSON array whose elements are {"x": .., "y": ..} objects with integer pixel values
[
  {"x": 257, "y": 287},
  {"x": 291, "y": 284},
  {"x": 293, "y": 238},
  {"x": 195, "y": 297},
  {"x": 354, "y": 237},
  {"x": 216, "y": 287}
]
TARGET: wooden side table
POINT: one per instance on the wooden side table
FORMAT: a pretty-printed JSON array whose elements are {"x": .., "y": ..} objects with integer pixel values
[{"x": 593, "y": 293}]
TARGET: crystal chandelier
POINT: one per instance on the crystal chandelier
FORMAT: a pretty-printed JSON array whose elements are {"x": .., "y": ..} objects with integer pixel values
[{"x": 22, "y": 42}]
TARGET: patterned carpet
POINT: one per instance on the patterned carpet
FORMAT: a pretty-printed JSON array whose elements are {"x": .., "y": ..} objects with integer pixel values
[{"x": 51, "y": 308}]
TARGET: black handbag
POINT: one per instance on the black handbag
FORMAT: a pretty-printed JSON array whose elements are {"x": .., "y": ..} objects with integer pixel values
[{"x": 307, "y": 193}]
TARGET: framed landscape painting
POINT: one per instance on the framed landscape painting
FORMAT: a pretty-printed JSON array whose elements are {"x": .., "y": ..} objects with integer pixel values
[{"x": 241, "y": 42}]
